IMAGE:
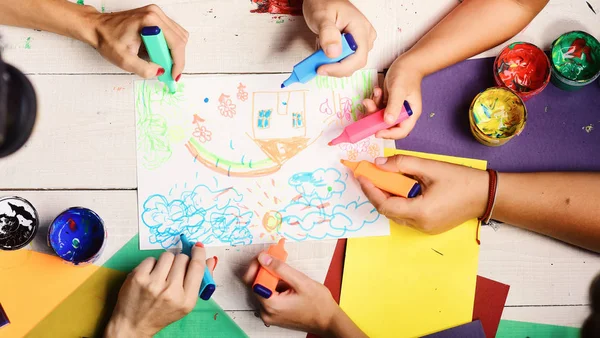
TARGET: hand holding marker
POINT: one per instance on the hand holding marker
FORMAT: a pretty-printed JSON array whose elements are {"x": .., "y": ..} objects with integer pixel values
[
  {"x": 306, "y": 69},
  {"x": 208, "y": 287},
  {"x": 266, "y": 281},
  {"x": 157, "y": 48}
]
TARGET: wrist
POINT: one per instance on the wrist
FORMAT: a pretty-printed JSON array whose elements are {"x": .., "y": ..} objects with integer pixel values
[
  {"x": 120, "y": 327},
  {"x": 412, "y": 62},
  {"x": 84, "y": 29}
]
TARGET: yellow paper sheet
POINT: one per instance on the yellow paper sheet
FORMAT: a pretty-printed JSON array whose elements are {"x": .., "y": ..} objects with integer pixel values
[
  {"x": 410, "y": 284},
  {"x": 32, "y": 284}
]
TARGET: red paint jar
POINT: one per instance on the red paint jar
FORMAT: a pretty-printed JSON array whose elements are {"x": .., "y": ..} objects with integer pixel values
[{"x": 524, "y": 68}]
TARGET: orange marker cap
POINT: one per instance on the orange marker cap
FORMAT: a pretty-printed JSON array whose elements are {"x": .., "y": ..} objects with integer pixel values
[
  {"x": 266, "y": 281},
  {"x": 394, "y": 183}
]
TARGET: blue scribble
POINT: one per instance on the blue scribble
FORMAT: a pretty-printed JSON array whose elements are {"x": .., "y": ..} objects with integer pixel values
[
  {"x": 323, "y": 183},
  {"x": 201, "y": 214},
  {"x": 231, "y": 144},
  {"x": 206, "y": 100},
  {"x": 284, "y": 103},
  {"x": 297, "y": 121},
  {"x": 216, "y": 182},
  {"x": 264, "y": 118}
]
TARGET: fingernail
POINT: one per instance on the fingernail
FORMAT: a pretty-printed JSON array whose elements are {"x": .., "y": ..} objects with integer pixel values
[
  {"x": 333, "y": 49},
  {"x": 200, "y": 244},
  {"x": 177, "y": 78},
  {"x": 265, "y": 259},
  {"x": 381, "y": 160},
  {"x": 216, "y": 260},
  {"x": 160, "y": 71},
  {"x": 322, "y": 73}
]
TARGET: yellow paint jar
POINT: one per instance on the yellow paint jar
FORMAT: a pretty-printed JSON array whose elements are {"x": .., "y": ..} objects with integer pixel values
[{"x": 496, "y": 115}]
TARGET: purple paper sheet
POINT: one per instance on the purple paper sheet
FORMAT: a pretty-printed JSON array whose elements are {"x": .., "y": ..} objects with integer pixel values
[
  {"x": 554, "y": 138},
  {"x": 470, "y": 330}
]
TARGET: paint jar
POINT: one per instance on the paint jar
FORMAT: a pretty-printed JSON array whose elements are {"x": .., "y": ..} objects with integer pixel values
[
  {"x": 524, "y": 68},
  {"x": 575, "y": 60},
  {"x": 19, "y": 223},
  {"x": 77, "y": 235},
  {"x": 496, "y": 116}
]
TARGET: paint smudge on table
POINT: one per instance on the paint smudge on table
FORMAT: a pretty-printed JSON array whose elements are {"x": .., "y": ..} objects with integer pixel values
[
  {"x": 431, "y": 115},
  {"x": 28, "y": 43},
  {"x": 588, "y": 129},
  {"x": 590, "y": 6},
  {"x": 290, "y": 7},
  {"x": 80, "y": 2}
]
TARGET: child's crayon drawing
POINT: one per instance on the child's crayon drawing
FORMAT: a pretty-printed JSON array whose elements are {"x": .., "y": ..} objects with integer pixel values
[{"x": 250, "y": 167}]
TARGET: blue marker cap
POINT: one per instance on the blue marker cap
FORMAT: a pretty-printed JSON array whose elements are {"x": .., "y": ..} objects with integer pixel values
[
  {"x": 208, "y": 286},
  {"x": 306, "y": 69},
  {"x": 414, "y": 191},
  {"x": 408, "y": 108},
  {"x": 262, "y": 291}
]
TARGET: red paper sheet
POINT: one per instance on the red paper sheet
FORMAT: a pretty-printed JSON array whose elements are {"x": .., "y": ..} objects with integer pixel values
[{"x": 490, "y": 297}]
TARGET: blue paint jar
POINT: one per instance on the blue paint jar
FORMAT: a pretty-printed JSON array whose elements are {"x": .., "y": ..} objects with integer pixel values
[{"x": 77, "y": 235}]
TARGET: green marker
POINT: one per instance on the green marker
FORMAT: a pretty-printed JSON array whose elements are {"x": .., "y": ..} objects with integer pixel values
[{"x": 157, "y": 48}]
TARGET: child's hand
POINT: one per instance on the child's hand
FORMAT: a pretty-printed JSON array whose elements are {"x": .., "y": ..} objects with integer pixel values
[
  {"x": 299, "y": 302},
  {"x": 451, "y": 194},
  {"x": 118, "y": 39},
  {"x": 157, "y": 293},
  {"x": 402, "y": 83},
  {"x": 328, "y": 18}
]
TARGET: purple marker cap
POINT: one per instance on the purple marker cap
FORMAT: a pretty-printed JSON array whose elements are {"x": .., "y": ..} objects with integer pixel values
[
  {"x": 408, "y": 108},
  {"x": 151, "y": 30},
  {"x": 3, "y": 317},
  {"x": 414, "y": 191}
]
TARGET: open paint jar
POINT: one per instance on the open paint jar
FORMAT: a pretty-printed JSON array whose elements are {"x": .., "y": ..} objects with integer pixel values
[
  {"x": 575, "y": 60},
  {"x": 77, "y": 235},
  {"x": 522, "y": 67},
  {"x": 496, "y": 116},
  {"x": 19, "y": 223}
]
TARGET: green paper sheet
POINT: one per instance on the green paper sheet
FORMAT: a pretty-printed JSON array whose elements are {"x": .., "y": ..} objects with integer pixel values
[
  {"x": 85, "y": 312},
  {"x": 515, "y": 329}
]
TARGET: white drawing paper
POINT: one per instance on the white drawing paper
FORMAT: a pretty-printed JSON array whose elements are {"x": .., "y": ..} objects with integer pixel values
[{"x": 237, "y": 160}]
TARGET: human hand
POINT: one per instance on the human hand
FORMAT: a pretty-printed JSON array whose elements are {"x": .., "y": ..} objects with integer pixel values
[
  {"x": 158, "y": 293},
  {"x": 402, "y": 83},
  {"x": 118, "y": 39},
  {"x": 451, "y": 194},
  {"x": 327, "y": 18},
  {"x": 299, "y": 302}
]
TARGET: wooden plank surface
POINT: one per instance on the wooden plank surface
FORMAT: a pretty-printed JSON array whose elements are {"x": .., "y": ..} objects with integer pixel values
[{"x": 85, "y": 139}]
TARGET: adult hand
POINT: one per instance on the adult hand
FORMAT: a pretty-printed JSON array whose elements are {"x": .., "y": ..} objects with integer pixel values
[
  {"x": 157, "y": 293},
  {"x": 451, "y": 194},
  {"x": 118, "y": 39},
  {"x": 299, "y": 302},
  {"x": 328, "y": 18}
]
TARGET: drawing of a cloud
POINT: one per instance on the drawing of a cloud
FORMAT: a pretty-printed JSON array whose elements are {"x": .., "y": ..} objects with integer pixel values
[
  {"x": 320, "y": 223},
  {"x": 322, "y": 183},
  {"x": 202, "y": 198}
]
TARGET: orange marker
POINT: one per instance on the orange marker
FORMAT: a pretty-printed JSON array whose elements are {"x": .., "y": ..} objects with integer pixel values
[
  {"x": 266, "y": 282},
  {"x": 394, "y": 183}
]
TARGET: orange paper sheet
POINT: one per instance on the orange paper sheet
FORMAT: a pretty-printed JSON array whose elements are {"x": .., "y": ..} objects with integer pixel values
[
  {"x": 411, "y": 284},
  {"x": 32, "y": 284}
]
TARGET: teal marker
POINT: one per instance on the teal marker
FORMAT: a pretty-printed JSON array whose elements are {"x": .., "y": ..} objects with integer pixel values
[
  {"x": 306, "y": 69},
  {"x": 208, "y": 286},
  {"x": 157, "y": 48}
]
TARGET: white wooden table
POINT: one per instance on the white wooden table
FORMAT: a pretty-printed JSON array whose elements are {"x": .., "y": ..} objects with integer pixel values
[{"x": 83, "y": 152}]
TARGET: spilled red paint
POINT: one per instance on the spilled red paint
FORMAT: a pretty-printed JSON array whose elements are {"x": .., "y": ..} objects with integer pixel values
[
  {"x": 72, "y": 224},
  {"x": 291, "y": 7}
]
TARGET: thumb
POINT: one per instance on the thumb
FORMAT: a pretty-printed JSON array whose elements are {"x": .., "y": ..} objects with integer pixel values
[
  {"x": 394, "y": 106},
  {"x": 330, "y": 38},
  {"x": 147, "y": 70},
  {"x": 293, "y": 277},
  {"x": 401, "y": 163}
]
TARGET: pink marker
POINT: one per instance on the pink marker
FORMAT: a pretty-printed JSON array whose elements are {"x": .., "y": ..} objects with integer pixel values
[{"x": 368, "y": 126}]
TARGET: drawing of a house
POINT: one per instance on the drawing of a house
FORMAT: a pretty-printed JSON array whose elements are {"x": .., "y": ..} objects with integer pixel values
[{"x": 279, "y": 123}]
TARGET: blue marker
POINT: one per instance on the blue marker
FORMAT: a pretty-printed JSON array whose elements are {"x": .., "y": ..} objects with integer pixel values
[
  {"x": 159, "y": 53},
  {"x": 208, "y": 287},
  {"x": 306, "y": 69}
]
